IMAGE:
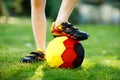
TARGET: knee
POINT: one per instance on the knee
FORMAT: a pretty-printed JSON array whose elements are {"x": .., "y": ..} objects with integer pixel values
[{"x": 38, "y": 4}]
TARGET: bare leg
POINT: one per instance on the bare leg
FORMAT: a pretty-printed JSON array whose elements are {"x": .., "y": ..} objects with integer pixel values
[
  {"x": 61, "y": 27},
  {"x": 66, "y": 8},
  {"x": 39, "y": 22}
]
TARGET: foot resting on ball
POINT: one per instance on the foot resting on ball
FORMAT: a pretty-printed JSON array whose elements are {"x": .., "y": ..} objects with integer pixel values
[
  {"x": 36, "y": 56},
  {"x": 67, "y": 29}
]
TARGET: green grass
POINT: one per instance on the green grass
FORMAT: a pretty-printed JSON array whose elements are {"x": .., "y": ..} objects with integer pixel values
[{"x": 102, "y": 54}]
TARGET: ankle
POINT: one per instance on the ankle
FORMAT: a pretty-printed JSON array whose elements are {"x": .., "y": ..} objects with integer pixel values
[{"x": 56, "y": 26}]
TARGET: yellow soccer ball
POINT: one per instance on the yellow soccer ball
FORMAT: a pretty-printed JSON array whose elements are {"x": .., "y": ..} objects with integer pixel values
[{"x": 64, "y": 52}]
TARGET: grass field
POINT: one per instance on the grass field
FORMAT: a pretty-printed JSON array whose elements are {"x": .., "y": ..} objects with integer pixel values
[{"x": 102, "y": 54}]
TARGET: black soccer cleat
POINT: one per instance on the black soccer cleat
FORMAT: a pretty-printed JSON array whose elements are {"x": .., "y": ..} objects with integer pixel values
[
  {"x": 34, "y": 57},
  {"x": 67, "y": 29}
]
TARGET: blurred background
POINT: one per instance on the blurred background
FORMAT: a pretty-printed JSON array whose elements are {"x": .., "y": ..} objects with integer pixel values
[
  {"x": 85, "y": 12},
  {"x": 99, "y": 18}
]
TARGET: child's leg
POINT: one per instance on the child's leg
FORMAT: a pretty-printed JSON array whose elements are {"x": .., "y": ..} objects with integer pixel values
[
  {"x": 61, "y": 27},
  {"x": 65, "y": 10},
  {"x": 39, "y": 22},
  {"x": 39, "y": 30}
]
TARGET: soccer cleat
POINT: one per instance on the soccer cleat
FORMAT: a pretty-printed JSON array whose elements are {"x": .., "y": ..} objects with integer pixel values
[
  {"x": 67, "y": 29},
  {"x": 36, "y": 56}
]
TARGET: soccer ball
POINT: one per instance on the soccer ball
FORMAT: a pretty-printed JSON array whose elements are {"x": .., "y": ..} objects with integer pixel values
[{"x": 64, "y": 52}]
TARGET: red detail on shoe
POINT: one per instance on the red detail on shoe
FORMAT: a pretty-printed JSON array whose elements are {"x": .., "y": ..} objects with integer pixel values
[{"x": 58, "y": 32}]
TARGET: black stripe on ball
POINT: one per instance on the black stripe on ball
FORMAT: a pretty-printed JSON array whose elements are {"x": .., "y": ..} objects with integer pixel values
[{"x": 80, "y": 55}]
